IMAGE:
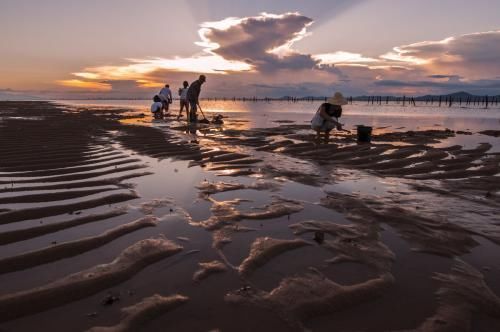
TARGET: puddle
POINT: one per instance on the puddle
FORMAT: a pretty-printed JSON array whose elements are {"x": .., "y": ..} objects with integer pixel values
[{"x": 431, "y": 216}]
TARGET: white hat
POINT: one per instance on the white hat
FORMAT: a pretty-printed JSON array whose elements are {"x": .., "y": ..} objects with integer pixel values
[{"x": 337, "y": 99}]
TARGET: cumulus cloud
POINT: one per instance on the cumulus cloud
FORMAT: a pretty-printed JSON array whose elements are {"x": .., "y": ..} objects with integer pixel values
[
  {"x": 260, "y": 43},
  {"x": 471, "y": 60},
  {"x": 244, "y": 52},
  {"x": 264, "y": 41},
  {"x": 472, "y": 55}
]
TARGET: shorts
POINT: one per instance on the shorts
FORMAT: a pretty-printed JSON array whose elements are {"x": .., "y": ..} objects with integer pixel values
[
  {"x": 326, "y": 126},
  {"x": 165, "y": 105}
]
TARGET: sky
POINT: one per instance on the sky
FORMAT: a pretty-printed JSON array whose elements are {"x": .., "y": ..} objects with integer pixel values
[{"x": 130, "y": 49}]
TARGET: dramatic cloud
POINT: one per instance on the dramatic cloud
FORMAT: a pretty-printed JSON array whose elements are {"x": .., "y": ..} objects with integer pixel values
[
  {"x": 471, "y": 60},
  {"x": 263, "y": 41},
  {"x": 253, "y": 44},
  {"x": 472, "y": 55},
  {"x": 255, "y": 55}
]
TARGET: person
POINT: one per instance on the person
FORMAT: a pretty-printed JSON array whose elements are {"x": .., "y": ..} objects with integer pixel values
[
  {"x": 183, "y": 100},
  {"x": 193, "y": 95},
  {"x": 323, "y": 120},
  {"x": 166, "y": 97},
  {"x": 157, "y": 107}
]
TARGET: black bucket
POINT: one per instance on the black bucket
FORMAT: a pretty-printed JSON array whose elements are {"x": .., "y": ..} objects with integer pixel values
[{"x": 364, "y": 134}]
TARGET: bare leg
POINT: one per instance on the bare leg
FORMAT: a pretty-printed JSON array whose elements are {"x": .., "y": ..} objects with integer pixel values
[
  {"x": 327, "y": 136},
  {"x": 318, "y": 136},
  {"x": 180, "y": 110},
  {"x": 163, "y": 109}
]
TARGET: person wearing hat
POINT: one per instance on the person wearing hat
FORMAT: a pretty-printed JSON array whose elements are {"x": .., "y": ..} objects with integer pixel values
[
  {"x": 193, "y": 95},
  {"x": 326, "y": 117}
]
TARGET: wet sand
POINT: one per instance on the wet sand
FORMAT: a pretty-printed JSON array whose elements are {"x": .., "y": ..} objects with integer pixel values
[{"x": 112, "y": 221}]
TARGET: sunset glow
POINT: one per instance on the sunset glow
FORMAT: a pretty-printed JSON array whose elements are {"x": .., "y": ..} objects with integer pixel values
[
  {"x": 88, "y": 85},
  {"x": 225, "y": 165},
  {"x": 242, "y": 49},
  {"x": 139, "y": 69}
]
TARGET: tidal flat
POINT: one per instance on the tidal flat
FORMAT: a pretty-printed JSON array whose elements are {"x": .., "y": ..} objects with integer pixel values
[{"x": 113, "y": 221}]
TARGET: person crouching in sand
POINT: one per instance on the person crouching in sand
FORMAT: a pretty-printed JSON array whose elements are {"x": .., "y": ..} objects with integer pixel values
[
  {"x": 323, "y": 120},
  {"x": 157, "y": 107}
]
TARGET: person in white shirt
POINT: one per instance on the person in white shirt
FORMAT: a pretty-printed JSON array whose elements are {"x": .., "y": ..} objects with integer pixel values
[
  {"x": 166, "y": 96},
  {"x": 157, "y": 107},
  {"x": 183, "y": 100}
]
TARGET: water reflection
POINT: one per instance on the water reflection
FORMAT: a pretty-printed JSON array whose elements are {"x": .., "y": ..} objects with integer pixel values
[
  {"x": 239, "y": 115},
  {"x": 265, "y": 114}
]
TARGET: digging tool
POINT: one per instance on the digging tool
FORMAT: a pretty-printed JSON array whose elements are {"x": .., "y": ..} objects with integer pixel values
[{"x": 205, "y": 120}]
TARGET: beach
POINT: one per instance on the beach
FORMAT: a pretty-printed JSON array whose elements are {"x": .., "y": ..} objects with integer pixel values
[{"x": 113, "y": 221}]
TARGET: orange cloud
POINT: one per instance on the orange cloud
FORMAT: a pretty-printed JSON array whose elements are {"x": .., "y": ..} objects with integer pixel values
[
  {"x": 88, "y": 85},
  {"x": 216, "y": 38},
  {"x": 263, "y": 45}
]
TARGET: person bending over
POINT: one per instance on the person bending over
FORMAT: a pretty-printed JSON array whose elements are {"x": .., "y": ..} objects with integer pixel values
[
  {"x": 166, "y": 97},
  {"x": 193, "y": 95},
  {"x": 326, "y": 117}
]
